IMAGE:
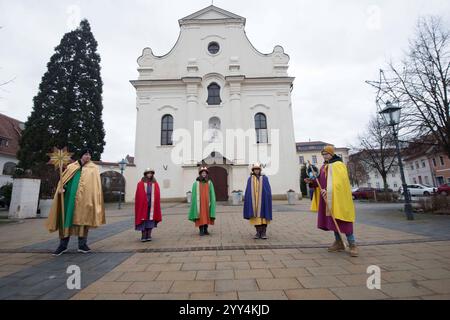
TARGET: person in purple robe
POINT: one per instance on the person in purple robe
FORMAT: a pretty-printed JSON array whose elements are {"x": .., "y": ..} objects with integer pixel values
[{"x": 334, "y": 200}]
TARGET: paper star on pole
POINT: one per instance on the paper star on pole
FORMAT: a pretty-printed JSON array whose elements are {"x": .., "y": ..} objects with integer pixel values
[{"x": 59, "y": 157}]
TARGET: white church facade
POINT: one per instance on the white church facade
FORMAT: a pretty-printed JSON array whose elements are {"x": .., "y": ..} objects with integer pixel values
[{"x": 214, "y": 100}]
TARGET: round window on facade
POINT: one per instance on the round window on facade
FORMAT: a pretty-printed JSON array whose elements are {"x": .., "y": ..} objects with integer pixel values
[{"x": 213, "y": 47}]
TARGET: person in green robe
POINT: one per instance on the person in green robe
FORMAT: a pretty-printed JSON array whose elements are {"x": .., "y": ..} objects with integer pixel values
[
  {"x": 78, "y": 203},
  {"x": 203, "y": 202}
]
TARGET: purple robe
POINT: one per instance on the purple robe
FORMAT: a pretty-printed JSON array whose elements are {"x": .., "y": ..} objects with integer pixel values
[
  {"x": 325, "y": 222},
  {"x": 266, "y": 200}
]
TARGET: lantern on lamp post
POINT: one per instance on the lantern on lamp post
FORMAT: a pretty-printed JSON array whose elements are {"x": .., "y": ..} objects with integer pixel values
[
  {"x": 391, "y": 116},
  {"x": 122, "y": 165}
]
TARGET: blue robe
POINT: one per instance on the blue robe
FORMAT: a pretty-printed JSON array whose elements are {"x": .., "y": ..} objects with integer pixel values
[{"x": 266, "y": 200}]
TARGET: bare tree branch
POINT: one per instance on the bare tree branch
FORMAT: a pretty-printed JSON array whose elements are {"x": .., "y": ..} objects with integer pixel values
[
  {"x": 376, "y": 152},
  {"x": 421, "y": 84}
]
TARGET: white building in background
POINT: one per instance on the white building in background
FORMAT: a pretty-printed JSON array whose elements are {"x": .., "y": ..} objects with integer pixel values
[
  {"x": 375, "y": 180},
  {"x": 214, "y": 80},
  {"x": 418, "y": 168},
  {"x": 419, "y": 171},
  {"x": 312, "y": 151},
  {"x": 10, "y": 131}
]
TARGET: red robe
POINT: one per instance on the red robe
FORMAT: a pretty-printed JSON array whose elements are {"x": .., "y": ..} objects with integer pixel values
[{"x": 141, "y": 203}]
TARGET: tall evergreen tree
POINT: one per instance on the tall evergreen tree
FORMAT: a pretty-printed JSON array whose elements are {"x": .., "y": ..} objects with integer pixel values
[{"x": 68, "y": 108}]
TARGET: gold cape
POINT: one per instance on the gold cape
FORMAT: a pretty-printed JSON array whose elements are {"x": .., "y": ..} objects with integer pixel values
[
  {"x": 339, "y": 193},
  {"x": 89, "y": 209}
]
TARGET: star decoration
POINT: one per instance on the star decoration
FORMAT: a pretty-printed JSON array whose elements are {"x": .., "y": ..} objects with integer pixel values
[{"x": 59, "y": 157}]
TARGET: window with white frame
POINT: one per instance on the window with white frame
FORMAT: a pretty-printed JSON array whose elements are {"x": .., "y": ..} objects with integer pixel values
[
  {"x": 214, "y": 94},
  {"x": 4, "y": 142},
  {"x": 261, "y": 128},
  {"x": 166, "y": 130}
]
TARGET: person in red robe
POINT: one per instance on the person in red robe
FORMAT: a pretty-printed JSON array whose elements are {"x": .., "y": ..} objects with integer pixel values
[{"x": 147, "y": 206}]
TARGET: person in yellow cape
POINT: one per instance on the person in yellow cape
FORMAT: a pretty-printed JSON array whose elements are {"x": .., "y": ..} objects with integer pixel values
[
  {"x": 337, "y": 194},
  {"x": 83, "y": 203}
]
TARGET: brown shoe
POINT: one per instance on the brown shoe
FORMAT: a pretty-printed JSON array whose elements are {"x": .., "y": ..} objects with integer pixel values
[
  {"x": 337, "y": 246},
  {"x": 353, "y": 250}
]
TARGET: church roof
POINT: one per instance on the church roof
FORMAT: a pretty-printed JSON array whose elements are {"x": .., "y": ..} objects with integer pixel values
[{"x": 211, "y": 14}]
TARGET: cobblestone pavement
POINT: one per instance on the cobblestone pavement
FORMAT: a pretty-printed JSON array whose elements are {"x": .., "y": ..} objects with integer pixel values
[{"x": 413, "y": 256}]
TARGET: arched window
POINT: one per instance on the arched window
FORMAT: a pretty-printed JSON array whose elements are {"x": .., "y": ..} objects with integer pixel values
[
  {"x": 8, "y": 168},
  {"x": 166, "y": 130},
  {"x": 261, "y": 128},
  {"x": 214, "y": 94}
]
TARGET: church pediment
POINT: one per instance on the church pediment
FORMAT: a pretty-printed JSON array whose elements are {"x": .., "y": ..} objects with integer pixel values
[
  {"x": 215, "y": 158},
  {"x": 231, "y": 55},
  {"x": 210, "y": 15}
]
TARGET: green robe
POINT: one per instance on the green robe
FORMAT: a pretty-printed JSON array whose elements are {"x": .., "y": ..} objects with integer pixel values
[
  {"x": 195, "y": 201},
  {"x": 69, "y": 198}
]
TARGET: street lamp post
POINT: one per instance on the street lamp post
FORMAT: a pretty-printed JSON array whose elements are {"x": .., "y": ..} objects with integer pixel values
[
  {"x": 391, "y": 115},
  {"x": 122, "y": 166}
]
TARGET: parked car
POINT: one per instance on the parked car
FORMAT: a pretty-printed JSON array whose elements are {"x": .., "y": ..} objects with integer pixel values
[
  {"x": 419, "y": 190},
  {"x": 363, "y": 193},
  {"x": 444, "y": 189},
  {"x": 382, "y": 190}
]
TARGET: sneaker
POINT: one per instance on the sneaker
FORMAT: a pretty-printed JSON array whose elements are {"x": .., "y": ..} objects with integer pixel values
[
  {"x": 59, "y": 251},
  {"x": 205, "y": 230},
  {"x": 336, "y": 246},
  {"x": 263, "y": 232},
  {"x": 264, "y": 235},
  {"x": 84, "y": 249},
  {"x": 149, "y": 238},
  {"x": 258, "y": 233}
]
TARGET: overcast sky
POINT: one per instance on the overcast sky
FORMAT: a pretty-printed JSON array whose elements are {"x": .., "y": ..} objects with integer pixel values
[{"x": 334, "y": 47}]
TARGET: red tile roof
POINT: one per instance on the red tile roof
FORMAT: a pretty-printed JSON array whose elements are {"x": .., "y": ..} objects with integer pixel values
[{"x": 10, "y": 129}]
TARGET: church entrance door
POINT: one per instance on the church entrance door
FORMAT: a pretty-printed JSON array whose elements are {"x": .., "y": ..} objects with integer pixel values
[{"x": 219, "y": 177}]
